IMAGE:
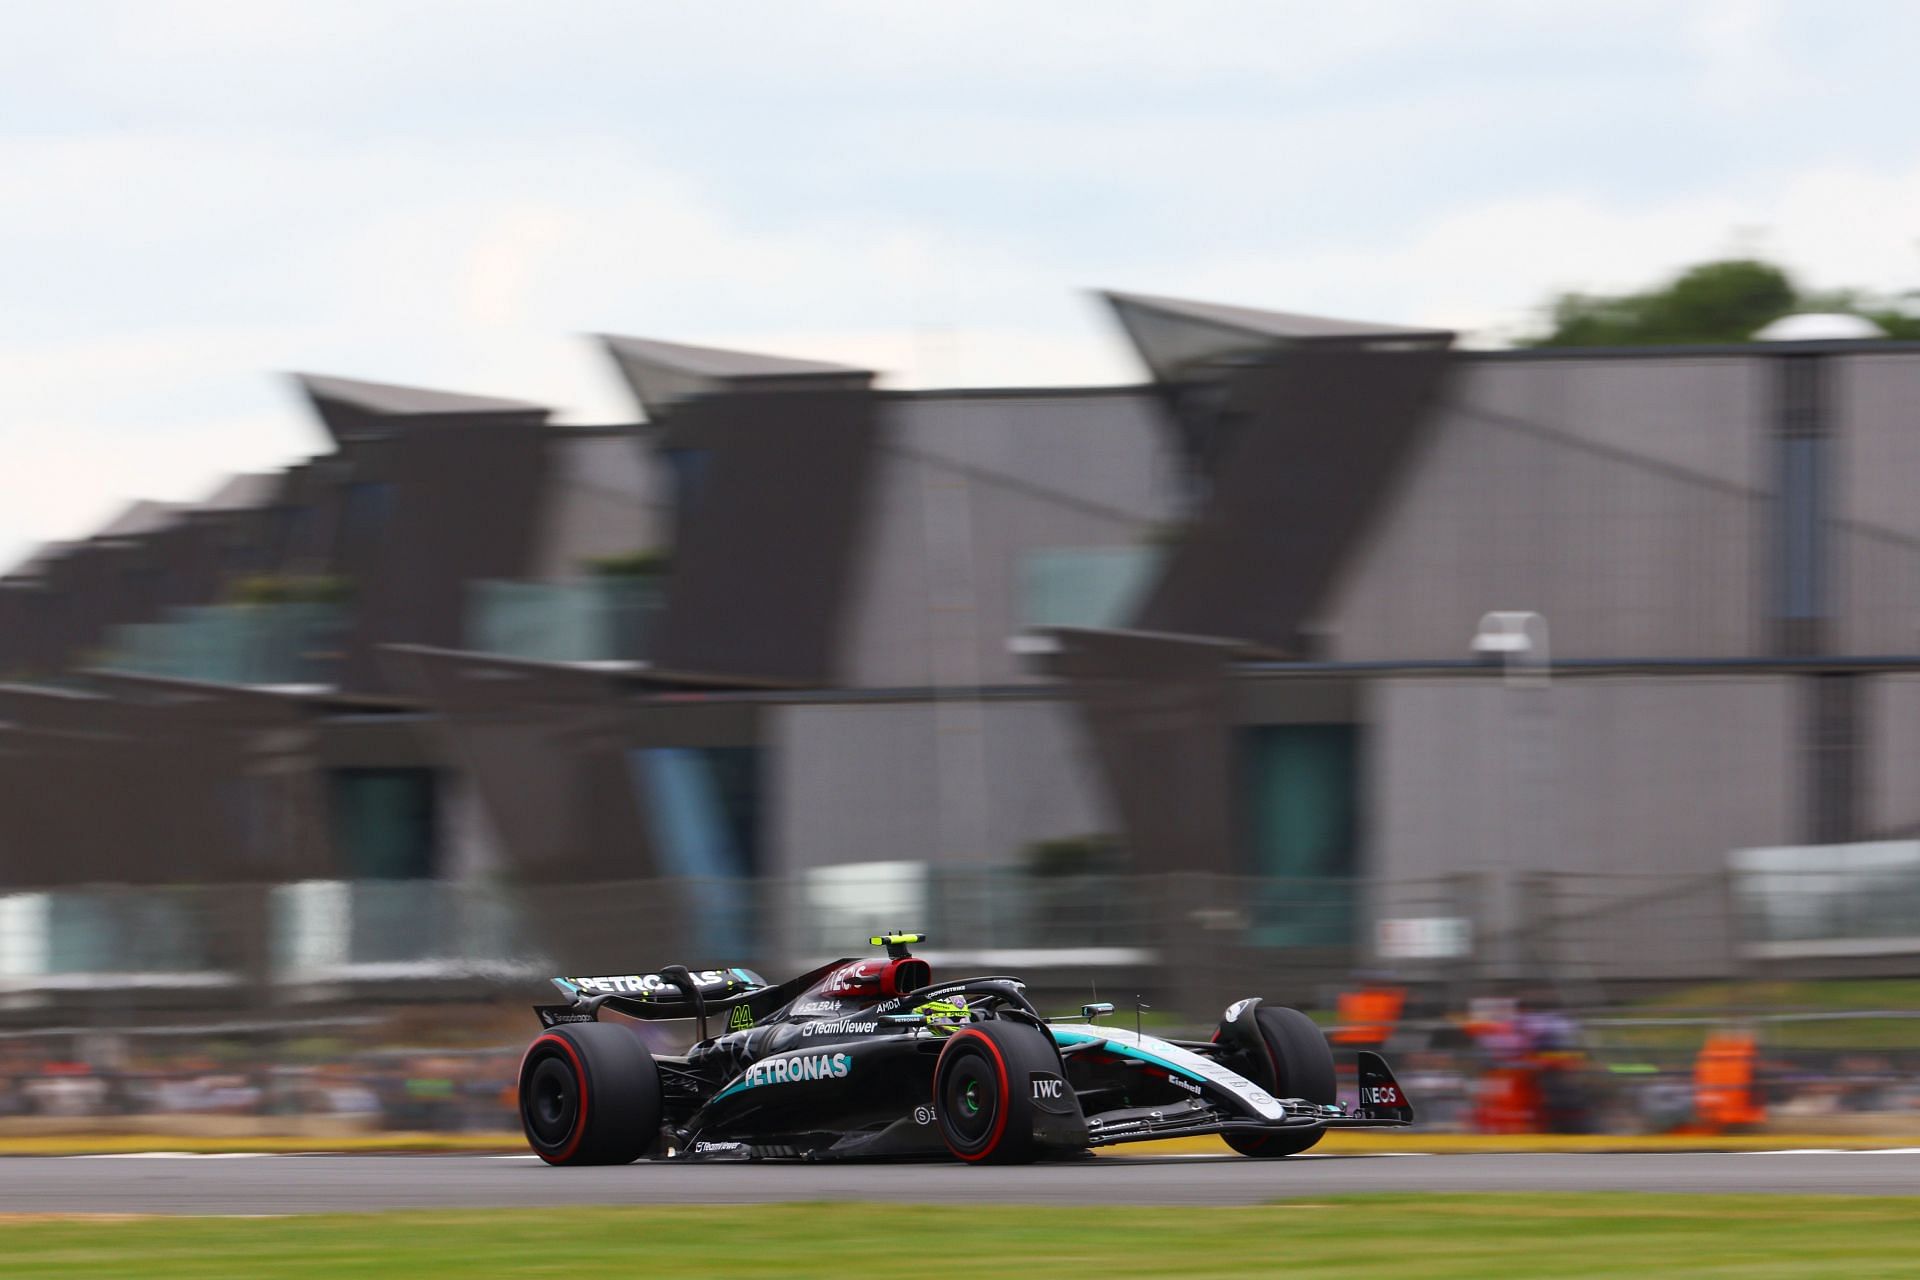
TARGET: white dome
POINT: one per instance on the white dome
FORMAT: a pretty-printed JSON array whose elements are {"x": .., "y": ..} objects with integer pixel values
[{"x": 1819, "y": 326}]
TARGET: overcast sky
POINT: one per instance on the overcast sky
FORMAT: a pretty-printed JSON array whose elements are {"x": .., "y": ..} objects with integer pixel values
[{"x": 196, "y": 195}]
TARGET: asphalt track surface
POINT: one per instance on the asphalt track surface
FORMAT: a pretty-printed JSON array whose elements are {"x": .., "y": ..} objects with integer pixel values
[{"x": 321, "y": 1184}]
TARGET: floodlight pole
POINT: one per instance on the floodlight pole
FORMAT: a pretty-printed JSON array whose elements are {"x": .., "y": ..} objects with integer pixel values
[{"x": 1519, "y": 640}]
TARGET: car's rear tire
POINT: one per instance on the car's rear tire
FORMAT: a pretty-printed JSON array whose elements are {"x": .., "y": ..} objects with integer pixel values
[
  {"x": 589, "y": 1094},
  {"x": 983, "y": 1091},
  {"x": 1297, "y": 1063}
]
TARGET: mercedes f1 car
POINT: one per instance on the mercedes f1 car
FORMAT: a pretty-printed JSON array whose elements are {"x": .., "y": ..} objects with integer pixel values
[{"x": 872, "y": 1058}]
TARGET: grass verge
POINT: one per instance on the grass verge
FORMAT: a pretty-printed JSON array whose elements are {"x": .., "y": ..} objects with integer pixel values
[
  {"x": 398, "y": 1143},
  {"x": 1591, "y": 1235},
  {"x": 1363, "y": 1143},
  {"x": 1846, "y": 1002},
  {"x": 1351, "y": 1143}
]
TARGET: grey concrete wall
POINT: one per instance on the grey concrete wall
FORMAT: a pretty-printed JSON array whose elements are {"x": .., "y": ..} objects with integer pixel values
[
  {"x": 1705, "y": 415},
  {"x": 957, "y": 782},
  {"x": 1890, "y": 712},
  {"x": 605, "y": 496},
  {"x": 1642, "y": 780},
  {"x": 1876, "y": 405},
  {"x": 1626, "y": 556},
  {"x": 964, "y": 487},
  {"x": 1638, "y": 774}
]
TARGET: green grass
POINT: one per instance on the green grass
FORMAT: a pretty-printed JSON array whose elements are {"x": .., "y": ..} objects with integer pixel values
[
  {"x": 1592, "y": 1235},
  {"x": 1828, "y": 994},
  {"x": 1725, "y": 1002}
]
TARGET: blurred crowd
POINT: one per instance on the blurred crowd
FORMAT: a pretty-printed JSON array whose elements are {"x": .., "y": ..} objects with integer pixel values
[
  {"x": 441, "y": 1091},
  {"x": 1466, "y": 1093},
  {"x": 1498, "y": 1067}
]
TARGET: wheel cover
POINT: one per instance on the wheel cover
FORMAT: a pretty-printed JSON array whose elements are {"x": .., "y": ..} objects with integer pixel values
[
  {"x": 551, "y": 1101},
  {"x": 971, "y": 1099}
]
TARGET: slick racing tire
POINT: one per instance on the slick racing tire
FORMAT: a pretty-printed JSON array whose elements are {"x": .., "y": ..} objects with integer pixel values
[
  {"x": 983, "y": 1090},
  {"x": 589, "y": 1094},
  {"x": 1297, "y": 1064}
]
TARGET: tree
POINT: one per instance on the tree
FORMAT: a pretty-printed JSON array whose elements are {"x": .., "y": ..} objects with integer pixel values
[{"x": 1712, "y": 303}]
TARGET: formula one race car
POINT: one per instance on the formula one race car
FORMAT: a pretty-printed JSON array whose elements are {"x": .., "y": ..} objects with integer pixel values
[{"x": 870, "y": 1058}]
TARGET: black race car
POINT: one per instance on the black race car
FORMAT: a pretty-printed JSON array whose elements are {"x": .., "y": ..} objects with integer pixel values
[{"x": 872, "y": 1058}]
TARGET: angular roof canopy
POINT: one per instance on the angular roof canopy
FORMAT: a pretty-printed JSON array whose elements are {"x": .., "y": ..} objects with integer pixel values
[
  {"x": 347, "y": 404},
  {"x": 662, "y": 374},
  {"x": 1176, "y": 337},
  {"x": 37, "y": 560},
  {"x": 241, "y": 492},
  {"x": 138, "y": 519},
  {"x": 1310, "y": 444},
  {"x": 135, "y": 520}
]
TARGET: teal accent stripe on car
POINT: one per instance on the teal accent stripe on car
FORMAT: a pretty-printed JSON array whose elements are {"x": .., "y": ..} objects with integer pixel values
[
  {"x": 1064, "y": 1038},
  {"x": 1175, "y": 1060}
]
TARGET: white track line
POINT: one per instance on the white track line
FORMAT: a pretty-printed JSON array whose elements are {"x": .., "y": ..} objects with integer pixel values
[
  {"x": 176, "y": 1155},
  {"x": 1142, "y": 1158}
]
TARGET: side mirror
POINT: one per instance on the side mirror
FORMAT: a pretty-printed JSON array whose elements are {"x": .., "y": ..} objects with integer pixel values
[{"x": 1092, "y": 1011}]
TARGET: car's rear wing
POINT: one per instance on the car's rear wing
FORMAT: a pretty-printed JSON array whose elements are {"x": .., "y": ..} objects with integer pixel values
[
  {"x": 714, "y": 984},
  {"x": 674, "y": 992},
  {"x": 741, "y": 996}
]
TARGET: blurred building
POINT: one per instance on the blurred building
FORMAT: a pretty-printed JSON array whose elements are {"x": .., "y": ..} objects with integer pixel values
[{"x": 794, "y": 626}]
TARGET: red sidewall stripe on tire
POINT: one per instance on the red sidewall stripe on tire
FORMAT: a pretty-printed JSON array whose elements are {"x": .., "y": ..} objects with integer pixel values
[
  {"x": 580, "y": 1118},
  {"x": 1006, "y": 1094}
]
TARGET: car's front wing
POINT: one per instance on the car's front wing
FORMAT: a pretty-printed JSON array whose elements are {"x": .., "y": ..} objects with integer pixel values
[{"x": 1197, "y": 1119}]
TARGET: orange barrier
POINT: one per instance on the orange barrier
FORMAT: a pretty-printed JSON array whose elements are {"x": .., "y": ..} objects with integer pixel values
[
  {"x": 1507, "y": 1100},
  {"x": 1367, "y": 1016},
  {"x": 1724, "y": 1096}
]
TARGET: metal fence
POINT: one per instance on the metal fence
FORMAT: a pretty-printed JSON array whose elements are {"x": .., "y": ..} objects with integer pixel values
[
  {"x": 1181, "y": 942},
  {"x": 323, "y": 1008}
]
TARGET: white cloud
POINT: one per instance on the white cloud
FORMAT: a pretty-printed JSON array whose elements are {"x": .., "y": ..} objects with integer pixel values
[
  {"x": 430, "y": 270},
  {"x": 1746, "y": 54},
  {"x": 491, "y": 296},
  {"x": 1488, "y": 267},
  {"x": 450, "y": 193}
]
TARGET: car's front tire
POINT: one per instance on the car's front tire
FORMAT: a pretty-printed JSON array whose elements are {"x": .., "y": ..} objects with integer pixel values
[
  {"x": 589, "y": 1094},
  {"x": 1291, "y": 1059},
  {"x": 983, "y": 1090}
]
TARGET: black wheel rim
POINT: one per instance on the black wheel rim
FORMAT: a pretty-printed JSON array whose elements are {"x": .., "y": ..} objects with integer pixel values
[
  {"x": 970, "y": 1100},
  {"x": 551, "y": 1101}
]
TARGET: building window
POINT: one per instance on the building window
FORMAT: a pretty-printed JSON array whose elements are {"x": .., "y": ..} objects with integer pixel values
[
  {"x": 1300, "y": 819},
  {"x": 1800, "y": 587},
  {"x": 369, "y": 510},
  {"x": 1801, "y": 591},
  {"x": 702, "y": 806},
  {"x": 1085, "y": 586},
  {"x": 689, "y": 469},
  {"x": 385, "y": 823}
]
